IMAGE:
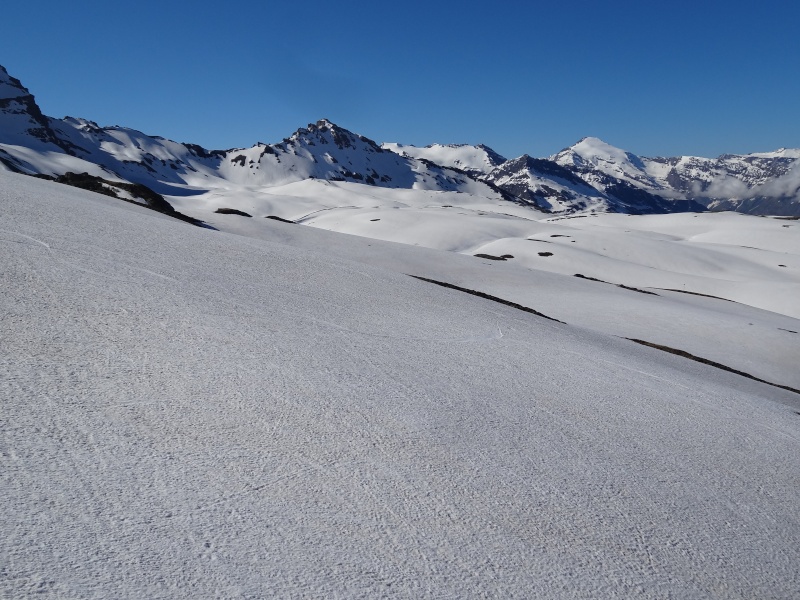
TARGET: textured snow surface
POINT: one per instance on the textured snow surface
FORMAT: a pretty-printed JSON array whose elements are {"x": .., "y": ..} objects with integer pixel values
[
  {"x": 189, "y": 413},
  {"x": 762, "y": 343}
]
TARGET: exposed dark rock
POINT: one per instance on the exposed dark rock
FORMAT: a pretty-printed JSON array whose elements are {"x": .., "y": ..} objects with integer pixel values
[
  {"x": 488, "y": 297},
  {"x": 489, "y": 256},
  {"x": 619, "y": 285},
  {"x": 201, "y": 152},
  {"x": 711, "y": 363},
  {"x": 696, "y": 294},
  {"x": 151, "y": 199},
  {"x": 232, "y": 211}
]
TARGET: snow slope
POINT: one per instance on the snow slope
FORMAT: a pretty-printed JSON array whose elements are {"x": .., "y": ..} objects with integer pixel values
[
  {"x": 189, "y": 413},
  {"x": 477, "y": 160},
  {"x": 746, "y": 259},
  {"x": 758, "y": 342}
]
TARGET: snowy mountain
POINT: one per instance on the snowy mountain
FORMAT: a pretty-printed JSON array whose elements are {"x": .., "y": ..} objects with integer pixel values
[
  {"x": 555, "y": 188},
  {"x": 601, "y": 163},
  {"x": 760, "y": 183},
  {"x": 547, "y": 184},
  {"x": 589, "y": 176},
  {"x": 33, "y": 143},
  {"x": 326, "y": 151}
]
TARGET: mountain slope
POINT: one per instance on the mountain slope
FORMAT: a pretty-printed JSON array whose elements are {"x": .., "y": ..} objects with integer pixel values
[
  {"x": 475, "y": 160},
  {"x": 547, "y": 185},
  {"x": 22, "y": 120},
  {"x": 189, "y": 414}
]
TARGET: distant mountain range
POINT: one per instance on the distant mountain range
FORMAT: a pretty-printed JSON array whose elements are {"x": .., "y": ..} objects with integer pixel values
[{"x": 588, "y": 176}]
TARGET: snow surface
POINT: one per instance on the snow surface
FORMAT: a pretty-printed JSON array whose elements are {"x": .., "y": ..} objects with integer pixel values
[
  {"x": 52, "y": 163},
  {"x": 780, "y": 153},
  {"x": 755, "y": 341},
  {"x": 733, "y": 256},
  {"x": 190, "y": 413}
]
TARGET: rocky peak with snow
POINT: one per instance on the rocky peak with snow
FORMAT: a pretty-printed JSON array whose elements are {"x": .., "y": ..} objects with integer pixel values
[
  {"x": 325, "y": 132},
  {"x": 327, "y": 151},
  {"x": 556, "y": 187},
  {"x": 11, "y": 87},
  {"x": 21, "y": 120}
]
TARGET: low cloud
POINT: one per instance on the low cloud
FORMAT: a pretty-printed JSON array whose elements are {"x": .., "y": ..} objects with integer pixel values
[
  {"x": 729, "y": 187},
  {"x": 788, "y": 185}
]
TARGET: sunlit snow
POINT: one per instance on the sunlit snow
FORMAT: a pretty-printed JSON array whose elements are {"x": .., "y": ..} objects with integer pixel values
[{"x": 192, "y": 413}]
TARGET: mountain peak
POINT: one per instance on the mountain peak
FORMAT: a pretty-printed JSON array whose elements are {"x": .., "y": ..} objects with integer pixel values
[
  {"x": 325, "y": 131},
  {"x": 4, "y": 76},
  {"x": 591, "y": 144},
  {"x": 325, "y": 123},
  {"x": 21, "y": 119},
  {"x": 11, "y": 87},
  {"x": 588, "y": 139},
  {"x": 592, "y": 152}
]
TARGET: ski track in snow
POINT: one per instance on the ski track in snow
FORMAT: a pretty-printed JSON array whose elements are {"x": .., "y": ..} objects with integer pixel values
[{"x": 71, "y": 264}]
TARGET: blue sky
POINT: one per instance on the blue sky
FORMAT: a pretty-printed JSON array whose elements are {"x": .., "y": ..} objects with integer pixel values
[{"x": 663, "y": 78}]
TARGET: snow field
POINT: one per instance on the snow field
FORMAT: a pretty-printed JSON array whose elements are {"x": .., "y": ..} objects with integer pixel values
[
  {"x": 192, "y": 413},
  {"x": 729, "y": 256}
]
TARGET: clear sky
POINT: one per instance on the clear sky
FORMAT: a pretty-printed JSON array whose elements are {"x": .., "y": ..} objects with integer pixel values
[{"x": 655, "y": 78}]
